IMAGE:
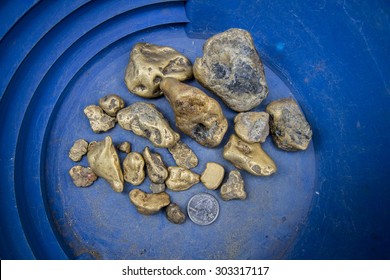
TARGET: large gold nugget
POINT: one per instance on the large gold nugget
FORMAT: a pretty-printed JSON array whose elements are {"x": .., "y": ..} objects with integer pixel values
[
  {"x": 289, "y": 128},
  {"x": 145, "y": 120},
  {"x": 149, "y": 64},
  {"x": 181, "y": 179},
  {"x": 149, "y": 203},
  {"x": 104, "y": 162},
  {"x": 196, "y": 114},
  {"x": 249, "y": 157}
]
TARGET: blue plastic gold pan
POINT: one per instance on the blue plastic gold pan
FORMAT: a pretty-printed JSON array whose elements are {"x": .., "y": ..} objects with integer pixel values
[{"x": 331, "y": 201}]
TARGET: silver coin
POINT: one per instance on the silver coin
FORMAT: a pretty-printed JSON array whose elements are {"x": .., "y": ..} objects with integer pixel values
[{"x": 203, "y": 209}]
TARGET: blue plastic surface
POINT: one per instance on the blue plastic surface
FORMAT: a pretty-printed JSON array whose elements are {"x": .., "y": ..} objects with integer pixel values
[{"x": 329, "y": 202}]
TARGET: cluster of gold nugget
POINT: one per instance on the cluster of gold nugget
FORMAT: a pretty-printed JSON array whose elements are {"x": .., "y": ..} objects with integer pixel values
[{"x": 231, "y": 69}]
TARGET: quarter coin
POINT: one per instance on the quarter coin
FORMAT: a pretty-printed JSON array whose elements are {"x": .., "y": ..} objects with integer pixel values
[{"x": 203, "y": 209}]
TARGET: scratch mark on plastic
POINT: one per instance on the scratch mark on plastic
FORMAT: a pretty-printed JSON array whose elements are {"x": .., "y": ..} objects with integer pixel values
[
  {"x": 359, "y": 26},
  {"x": 306, "y": 28}
]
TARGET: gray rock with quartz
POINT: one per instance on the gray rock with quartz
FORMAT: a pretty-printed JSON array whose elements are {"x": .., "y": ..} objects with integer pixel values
[
  {"x": 252, "y": 127},
  {"x": 231, "y": 68},
  {"x": 157, "y": 188},
  {"x": 288, "y": 126},
  {"x": 234, "y": 187}
]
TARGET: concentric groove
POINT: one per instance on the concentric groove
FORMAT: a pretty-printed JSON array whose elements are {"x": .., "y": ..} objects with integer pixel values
[
  {"x": 28, "y": 31},
  {"x": 10, "y": 14},
  {"x": 20, "y": 40},
  {"x": 114, "y": 29}
]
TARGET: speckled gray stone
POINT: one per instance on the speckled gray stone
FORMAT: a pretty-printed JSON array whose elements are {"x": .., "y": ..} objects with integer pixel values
[
  {"x": 183, "y": 155},
  {"x": 231, "y": 68},
  {"x": 157, "y": 188},
  {"x": 288, "y": 126},
  {"x": 252, "y": 127},
  {"x": 234, "y": 187}
]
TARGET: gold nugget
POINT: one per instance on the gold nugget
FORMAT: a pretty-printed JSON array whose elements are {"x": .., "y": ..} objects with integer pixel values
[
  {"x": 99, "y": 121},
  {"x": 133, "y": 168},
  {"x": 181, "y": 179},
  {"x": 111, "y": 104},
  {"x": 145, "y": 120},
  {"x": 213, "y": 175},
  {"x": 148, "y": 203},
  {"x": 234, "y": 188},
  {"x": 104, "y": 162},
  {"x": 183, "y": 155},
  {"x": 196, "y": 114},
  {"x": 155, "y": 166},
  {"x": 149, "y": 64},
  {"x": 249, "y": 157}
]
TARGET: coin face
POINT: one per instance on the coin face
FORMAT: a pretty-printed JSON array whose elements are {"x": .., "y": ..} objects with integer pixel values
[{"x": 203, "y": 209}]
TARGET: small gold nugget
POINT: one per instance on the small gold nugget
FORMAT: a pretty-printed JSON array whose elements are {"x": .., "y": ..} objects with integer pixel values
[
  {"x": 133, "y": 168},
  {"x": 148, "y": 203},
  {"x": 82, "y": 176},
  {"x": 180, "y": 178},
  {"x": 183, "y": 155},
  {"x": 111, "y": 104},
  {"x": 78, "y": 150},
  {"x": 249, "y": 157},
  {"x": 155, "y": 166},
  {"x": 99, "y": 121},
  {"x": 104, "y": 162},
  {"x": 213, "y": 175}
]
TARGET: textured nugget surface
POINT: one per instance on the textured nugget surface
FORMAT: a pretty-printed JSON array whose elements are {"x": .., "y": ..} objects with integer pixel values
[
  {"x": 149, "y": 64},
  {"x": 146, "y": 120},
  {"x": 196, "y": 114}
]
